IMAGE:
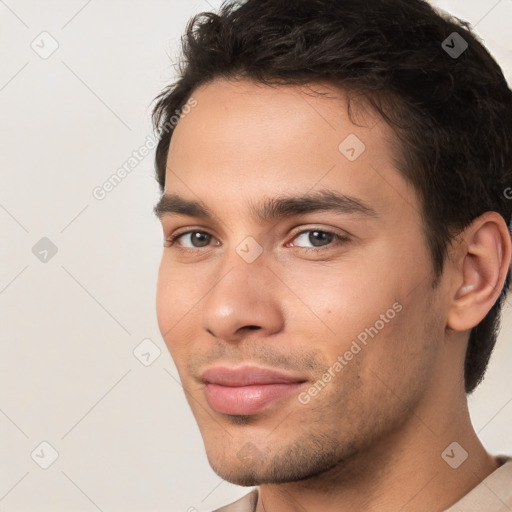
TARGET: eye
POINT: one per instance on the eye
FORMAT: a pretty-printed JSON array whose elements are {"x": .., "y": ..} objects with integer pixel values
[
  {"x": 319, "y": 238},
  {"x": 201, "y": 238}
]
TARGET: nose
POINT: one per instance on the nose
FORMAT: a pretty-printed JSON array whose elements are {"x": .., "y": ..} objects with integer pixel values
[{"x": 243, "y": 300}]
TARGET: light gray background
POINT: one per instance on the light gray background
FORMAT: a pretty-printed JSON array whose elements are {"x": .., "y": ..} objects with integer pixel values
[{"x": 125, "y": 437}]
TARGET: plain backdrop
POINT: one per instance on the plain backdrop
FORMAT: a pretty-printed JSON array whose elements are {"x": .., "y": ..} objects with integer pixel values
[{"x": 78, "y": 273}]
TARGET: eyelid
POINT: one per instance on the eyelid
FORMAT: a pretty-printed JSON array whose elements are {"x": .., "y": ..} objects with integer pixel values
[
  {"x": 339, "y": 239},
  {"x": 305, "y": 228},
  {"x": 171, "y": 239}
]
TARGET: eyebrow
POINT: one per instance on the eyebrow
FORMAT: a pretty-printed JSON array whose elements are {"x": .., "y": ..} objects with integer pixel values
[{"x": 271, "y": 207}]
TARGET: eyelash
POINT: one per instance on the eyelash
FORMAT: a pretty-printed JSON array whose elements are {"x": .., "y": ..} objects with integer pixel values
[{"x": 341, "y": 239}]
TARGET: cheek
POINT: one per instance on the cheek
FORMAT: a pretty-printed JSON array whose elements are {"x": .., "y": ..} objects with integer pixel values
[
  {"x": 164, "y": 297},
  {"x": 173, "y": 300},
  {"x": 403, "y": 355},
  {"x": 349, "y": 297},
  {"x": 373, "y": 317}
]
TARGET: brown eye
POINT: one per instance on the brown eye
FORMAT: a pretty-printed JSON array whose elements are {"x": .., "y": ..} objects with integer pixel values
[
  {"x": 197, "y": 239},
  {"x": 318, "y": 238}
]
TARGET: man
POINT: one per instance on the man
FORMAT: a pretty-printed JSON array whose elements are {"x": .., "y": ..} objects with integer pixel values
[{"x": 336, "y": 210}]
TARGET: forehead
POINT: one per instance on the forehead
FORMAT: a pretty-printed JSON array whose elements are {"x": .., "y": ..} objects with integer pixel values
[
  {"x": 246, "y": 113},
  {"x": 247, "y": 139}
]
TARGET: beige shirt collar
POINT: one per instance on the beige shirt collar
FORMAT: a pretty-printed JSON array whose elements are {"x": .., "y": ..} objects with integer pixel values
[{"x": 493, "y": 494}]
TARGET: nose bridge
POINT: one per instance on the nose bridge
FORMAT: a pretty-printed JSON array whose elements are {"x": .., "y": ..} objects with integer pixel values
[{"x": 242, "y": 295}]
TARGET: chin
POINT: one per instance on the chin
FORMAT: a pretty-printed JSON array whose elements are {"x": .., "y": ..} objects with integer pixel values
[
  {"x": 251, "y": 466},
  {"x": 237, "y": 473}
]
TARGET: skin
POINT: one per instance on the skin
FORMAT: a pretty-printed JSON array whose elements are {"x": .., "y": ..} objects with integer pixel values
[{"x": 372, "y": 438}]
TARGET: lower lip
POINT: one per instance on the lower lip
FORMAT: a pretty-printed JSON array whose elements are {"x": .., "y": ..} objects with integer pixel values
[{"x": 246, "y": 400}]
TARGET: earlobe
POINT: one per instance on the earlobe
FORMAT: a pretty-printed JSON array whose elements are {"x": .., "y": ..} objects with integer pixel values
[{"x": 484, "y": 260}]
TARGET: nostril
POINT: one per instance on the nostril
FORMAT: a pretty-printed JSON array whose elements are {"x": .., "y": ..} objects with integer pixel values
[{"x": 252, "y": 327}]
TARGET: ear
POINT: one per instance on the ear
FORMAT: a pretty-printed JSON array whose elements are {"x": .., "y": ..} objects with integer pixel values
[{"x": 482, "y": 262}]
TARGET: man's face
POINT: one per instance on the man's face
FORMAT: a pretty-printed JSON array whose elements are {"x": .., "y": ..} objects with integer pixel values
[{"x": 340, "y": 302}]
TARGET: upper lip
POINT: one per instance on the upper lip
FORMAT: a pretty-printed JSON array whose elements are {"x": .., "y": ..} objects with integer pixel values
[{"x": 248, "y": 375}]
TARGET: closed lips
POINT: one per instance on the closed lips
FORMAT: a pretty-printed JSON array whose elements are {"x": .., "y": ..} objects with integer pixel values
[{"x": 247, "y": 376}]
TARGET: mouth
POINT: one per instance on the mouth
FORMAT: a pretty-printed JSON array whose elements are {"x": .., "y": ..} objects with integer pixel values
[{"x": 247, "y": 390}]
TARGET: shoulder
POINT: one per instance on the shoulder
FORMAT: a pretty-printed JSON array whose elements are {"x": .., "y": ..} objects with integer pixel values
[{"x": 245, "y": 504}]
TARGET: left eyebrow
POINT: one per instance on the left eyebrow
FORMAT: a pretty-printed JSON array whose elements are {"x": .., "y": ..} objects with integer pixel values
[{"x": 271, "y": 208}]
